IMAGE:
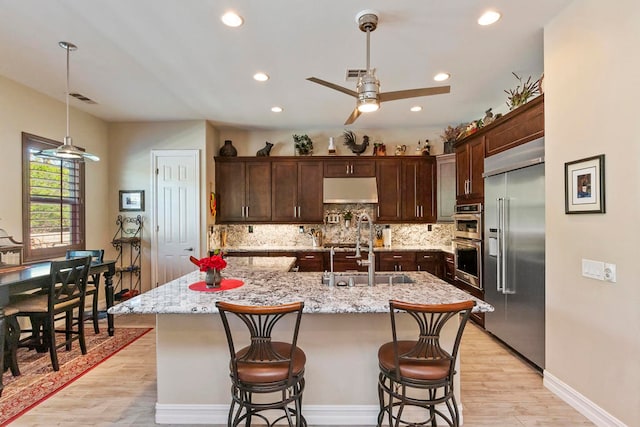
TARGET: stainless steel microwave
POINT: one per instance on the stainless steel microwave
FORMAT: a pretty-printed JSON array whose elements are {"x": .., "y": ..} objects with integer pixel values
[{"x": 468, "y": 222}]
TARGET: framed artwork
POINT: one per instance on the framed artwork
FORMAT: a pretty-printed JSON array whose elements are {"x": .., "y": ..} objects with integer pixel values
[
  {"x": 584, "y": 186},
  {"x": 131, "y": 200}
]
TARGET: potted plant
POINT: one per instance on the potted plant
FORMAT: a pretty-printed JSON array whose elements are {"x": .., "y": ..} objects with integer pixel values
[
  {"x": 520, "y": 95},
  {"x": 303, "y": 145},
  {"x": 347, "y": 215},
  {"x": 450, "y": 135}
]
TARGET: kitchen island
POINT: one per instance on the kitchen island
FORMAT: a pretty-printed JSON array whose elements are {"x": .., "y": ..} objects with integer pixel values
[{"x": 340, "y": 333}]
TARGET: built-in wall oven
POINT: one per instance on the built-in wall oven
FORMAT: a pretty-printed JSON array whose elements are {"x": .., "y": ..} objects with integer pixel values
[{"x": 467, "y": 244}]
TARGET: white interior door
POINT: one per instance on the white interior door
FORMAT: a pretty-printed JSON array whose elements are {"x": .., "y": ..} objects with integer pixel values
[{"x": 176, "y": 212}]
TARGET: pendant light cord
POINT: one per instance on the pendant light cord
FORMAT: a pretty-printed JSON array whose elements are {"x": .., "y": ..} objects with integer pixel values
[{"x": 67, "y": 95}]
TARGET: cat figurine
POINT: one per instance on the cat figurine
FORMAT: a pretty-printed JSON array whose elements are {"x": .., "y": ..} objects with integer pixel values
[{"x": 264, "y": 152}]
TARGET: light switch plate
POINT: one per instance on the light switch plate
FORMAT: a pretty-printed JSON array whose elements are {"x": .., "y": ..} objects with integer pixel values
[{"x": 599, "y": 270}]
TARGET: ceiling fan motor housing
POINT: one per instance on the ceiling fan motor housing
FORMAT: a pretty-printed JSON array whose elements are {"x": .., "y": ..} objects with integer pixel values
[{"x": 367, "y": 20}]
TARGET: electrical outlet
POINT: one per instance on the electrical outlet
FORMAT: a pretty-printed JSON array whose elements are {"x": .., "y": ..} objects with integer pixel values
[
  {"x": 251, "y": 229},
  {"x": 429, "y": 227},
  {"x": 610, "y": 273},
  {"x": 301, "y": 229}
]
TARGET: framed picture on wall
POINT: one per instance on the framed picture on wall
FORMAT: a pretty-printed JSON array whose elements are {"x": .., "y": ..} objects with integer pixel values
[
  {"x": 584, "y": 186},
  {"x": 131, "y": 200}
]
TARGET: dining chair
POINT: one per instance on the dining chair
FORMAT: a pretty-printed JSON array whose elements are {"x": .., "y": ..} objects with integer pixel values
[
  {"x": 419, "y": 373},
  {"x": 273, "y": 370},
  {"x": 11, "y": 338},
  {"x": 93, "y": 284},
  {"x": 65, "y": 295}
]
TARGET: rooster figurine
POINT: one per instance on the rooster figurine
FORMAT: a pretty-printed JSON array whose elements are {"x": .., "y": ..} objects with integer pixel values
[{"x": 350, "y": 141}]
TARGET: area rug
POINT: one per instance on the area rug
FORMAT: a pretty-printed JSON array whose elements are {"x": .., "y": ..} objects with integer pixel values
[{"x": 39, "y": 381}]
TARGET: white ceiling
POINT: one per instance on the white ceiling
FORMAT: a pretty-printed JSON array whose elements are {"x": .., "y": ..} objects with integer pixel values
[{"x": 148, "y": 60}]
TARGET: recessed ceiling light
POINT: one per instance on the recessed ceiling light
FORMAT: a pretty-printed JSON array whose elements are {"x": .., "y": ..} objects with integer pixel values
[
  {"x": 440, "y": 77},
  {"x": 276, "y": 109},
  {"x": 489, "y": 17},
  {"x": 232, "y": 19},
  {"x": 416, "y": 108},
  {"x": 261, "y": 77}
]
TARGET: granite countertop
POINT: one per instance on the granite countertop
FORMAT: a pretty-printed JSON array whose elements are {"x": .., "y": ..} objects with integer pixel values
[
  {"x": 273, "y": 285},
  {"x": 395, "y": 248}
]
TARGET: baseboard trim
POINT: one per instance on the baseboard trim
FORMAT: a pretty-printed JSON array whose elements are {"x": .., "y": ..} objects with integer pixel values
[
  {"x": 580, "y": 403},
  {"x": 314, "y": 414},
  {"x": 339, "y": 415}
]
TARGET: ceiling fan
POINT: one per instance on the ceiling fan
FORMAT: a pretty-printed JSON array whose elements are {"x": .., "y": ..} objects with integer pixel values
[{"x": 367, "y": 90}]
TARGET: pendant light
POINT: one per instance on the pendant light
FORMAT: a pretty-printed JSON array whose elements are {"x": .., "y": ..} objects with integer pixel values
[{"x": 67, "y": 150}]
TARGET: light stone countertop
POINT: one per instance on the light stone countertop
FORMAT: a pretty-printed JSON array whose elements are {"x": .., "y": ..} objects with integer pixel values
[{"x": 267, "y": 282}]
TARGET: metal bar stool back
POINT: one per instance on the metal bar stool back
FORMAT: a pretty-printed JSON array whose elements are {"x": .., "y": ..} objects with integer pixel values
[
  {"x": 420, "y": 372},
  {"x": 271, "y": 368}
]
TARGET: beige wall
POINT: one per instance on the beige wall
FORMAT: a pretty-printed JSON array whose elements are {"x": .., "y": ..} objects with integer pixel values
[
  {"x": 591, "y": 104},
  {"x": 130, "y": 169},
  {"x": 25, "y": 110}
]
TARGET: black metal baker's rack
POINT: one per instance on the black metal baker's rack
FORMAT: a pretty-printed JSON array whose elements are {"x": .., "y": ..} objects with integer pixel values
[{"x": 128, "y": 242}]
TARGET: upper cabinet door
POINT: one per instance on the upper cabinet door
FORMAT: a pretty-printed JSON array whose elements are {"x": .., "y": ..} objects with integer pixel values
[
  {"x": 344, "y": 168},
  {"x": 418, "y": 190},
  {"x": 389, "y": 179},
  {"x": 296, "y": 191},
  {"x": 469, "y": 169},
  {"x": 243, "y": 191}
]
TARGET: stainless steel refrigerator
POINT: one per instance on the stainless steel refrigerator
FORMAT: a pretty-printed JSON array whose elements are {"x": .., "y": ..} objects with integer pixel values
[{"x": 514, "y": 248}]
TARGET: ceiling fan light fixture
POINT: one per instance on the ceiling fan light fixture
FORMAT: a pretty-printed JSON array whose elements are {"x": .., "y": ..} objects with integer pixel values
[
  {"x": 489, "y": 17},
  {"x": 67, "y": 150},
  {"x": 368, "y": 105}
]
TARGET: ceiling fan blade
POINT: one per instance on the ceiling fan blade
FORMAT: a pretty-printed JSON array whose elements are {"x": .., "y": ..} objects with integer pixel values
[
  {"x": 333, "y": 86},
  {"x": 414, "y": 93},
  {"x": 354, "y": 115}
]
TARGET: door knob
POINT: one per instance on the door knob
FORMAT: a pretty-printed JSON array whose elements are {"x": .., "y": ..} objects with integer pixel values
[{"x": 189, "y": 249}]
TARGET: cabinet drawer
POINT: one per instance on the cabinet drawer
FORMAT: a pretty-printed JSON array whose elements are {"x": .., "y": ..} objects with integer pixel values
[
  {"x": 346, "y": 261},
  {"x": 397, "y": 256},
  {"x": 349, "y": 168},
  {"x": 310, "y": 261}
]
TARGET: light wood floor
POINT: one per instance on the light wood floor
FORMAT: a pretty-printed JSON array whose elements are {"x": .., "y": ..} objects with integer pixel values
[{"x": 498, "y": 389}]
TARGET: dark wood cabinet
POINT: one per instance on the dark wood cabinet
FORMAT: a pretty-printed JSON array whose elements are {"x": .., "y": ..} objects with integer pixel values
[
  {"x": 310, "y": 261},
  {"x": 396, "y": 261},
  {"x": 406, "y": 189},
  {"x": 346, "y": 168},
  {"x": 519, "y": 126},
  {"x": 469, "y": 169},
  {"x": 389, "y": 179},
  {"x": 296, "y": 191},
  {"x": 448, "y": 267},
  {"x": 430, "y": 261},
  {"x": 419, "y": 189},
  {"x": 345, "y": 261},
  {"x": 243, "y": 190}
]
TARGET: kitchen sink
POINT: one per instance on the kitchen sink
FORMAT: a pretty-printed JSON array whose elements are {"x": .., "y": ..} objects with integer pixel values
[{"x": 361, "y": 279}]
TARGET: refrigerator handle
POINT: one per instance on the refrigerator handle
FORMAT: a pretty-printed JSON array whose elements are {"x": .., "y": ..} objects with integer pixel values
[{"x": 500, "y": 258}]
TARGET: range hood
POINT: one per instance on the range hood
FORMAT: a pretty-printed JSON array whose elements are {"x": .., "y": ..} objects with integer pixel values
[{"x": 350, "y": 190}]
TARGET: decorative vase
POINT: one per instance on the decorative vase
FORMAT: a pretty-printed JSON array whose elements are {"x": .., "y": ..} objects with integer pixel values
[
  {"x": 228, "y": 150},
  {"x": 448, "y": 147},
  {"x": 213, "y": 278}
]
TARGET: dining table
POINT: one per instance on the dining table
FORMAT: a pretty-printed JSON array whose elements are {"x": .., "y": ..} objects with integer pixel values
[{"x": 30, "y": 277}]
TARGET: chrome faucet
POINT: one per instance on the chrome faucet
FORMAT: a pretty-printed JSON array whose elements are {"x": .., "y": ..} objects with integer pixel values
[
  {"x": 332, "y": 277},
  {"x": 371, "y": 259}
]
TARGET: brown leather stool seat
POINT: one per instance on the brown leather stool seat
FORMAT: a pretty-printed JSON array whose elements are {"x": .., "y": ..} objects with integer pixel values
[
  {"x": 419, "y": 373},
  {"x": 274, "y": 369}
]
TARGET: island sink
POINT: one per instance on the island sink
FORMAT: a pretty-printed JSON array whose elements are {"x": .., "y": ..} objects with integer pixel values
[{"x": 361, "y": 279}]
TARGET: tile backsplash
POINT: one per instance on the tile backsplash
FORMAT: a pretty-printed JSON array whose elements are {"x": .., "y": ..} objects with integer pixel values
[{"x": 292, "y": 235}]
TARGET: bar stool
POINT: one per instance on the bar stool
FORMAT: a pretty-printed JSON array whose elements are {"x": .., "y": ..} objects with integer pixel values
[
  {"x": 419, "y": 373},
  {"x": 264, "y": 366}
]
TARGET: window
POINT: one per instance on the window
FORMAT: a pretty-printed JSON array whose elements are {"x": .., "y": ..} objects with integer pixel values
[{"x": 52, "y": 202}]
